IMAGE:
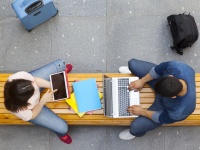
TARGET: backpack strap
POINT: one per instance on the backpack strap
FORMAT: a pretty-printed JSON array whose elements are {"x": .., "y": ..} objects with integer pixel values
[{"x": 179, "y": 52}]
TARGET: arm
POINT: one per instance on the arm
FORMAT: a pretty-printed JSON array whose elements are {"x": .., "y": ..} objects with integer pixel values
[
  {"x": 154, "y": 73},
  {"x": 47, "y": 97},
  {"x": 161, "y": 117},
  {"x": 37, "y": 109},
  {"x": 147, "y": 78},
  {"x": 42, "y": 83},
  {"x": 138, "y": 84}
]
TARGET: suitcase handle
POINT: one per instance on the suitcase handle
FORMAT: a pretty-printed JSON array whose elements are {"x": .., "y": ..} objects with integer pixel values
[
  {"x": 37, "y": 13},
  {"x": 34, "y": 6}
]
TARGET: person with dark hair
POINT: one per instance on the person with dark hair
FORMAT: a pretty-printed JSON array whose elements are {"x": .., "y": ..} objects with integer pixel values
[
  {"x": 16, "y": 94},
  {"x": 22, "y": 98},
  {"x": 175, "y": 95},
  {"x": 168, "y": 86}
]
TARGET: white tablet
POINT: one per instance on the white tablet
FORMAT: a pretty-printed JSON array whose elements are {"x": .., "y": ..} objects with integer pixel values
[{"x": 59, "y": 81}]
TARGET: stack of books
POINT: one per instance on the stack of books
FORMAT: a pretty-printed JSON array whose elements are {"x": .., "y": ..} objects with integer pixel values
[{"x": 85, "y": 97}]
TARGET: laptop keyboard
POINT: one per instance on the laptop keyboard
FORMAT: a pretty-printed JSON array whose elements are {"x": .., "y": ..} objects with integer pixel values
[{"x": 124, "y": 97}]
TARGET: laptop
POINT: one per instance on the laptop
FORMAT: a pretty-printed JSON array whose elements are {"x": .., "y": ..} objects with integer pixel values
[
  {"x": 117, "y": 97},
  {"x": 59, "y": 81}
]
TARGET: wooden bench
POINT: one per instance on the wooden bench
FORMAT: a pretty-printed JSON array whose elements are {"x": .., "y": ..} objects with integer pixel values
[{"x": 97, "y": 118}]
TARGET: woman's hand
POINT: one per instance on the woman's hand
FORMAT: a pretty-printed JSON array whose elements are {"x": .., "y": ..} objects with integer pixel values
[
  {"x": 136, "y": 85},
  {"x": 48, "y": 96}
]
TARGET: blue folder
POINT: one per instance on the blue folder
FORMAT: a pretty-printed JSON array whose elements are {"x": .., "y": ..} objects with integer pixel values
[{"x": 87, "y": 97}]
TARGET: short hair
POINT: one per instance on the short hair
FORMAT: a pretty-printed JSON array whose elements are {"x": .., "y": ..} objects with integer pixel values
[
  {"x": 168, "y": 86},
  {"x": 17, "y": 93}
]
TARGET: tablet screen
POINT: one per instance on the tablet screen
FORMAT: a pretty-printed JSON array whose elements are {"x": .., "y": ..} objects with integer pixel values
[{"x": 58, "y": 81}]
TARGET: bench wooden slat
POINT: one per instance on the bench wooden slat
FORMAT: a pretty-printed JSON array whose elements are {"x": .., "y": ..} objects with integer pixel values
[
  {"x": 89, "y": 117},
  {"x": 144, "y": 100},
  {"x": 144, "y": 90},
  {"x": 97, "y": 120},
  {"x": 67, "y": 111}
]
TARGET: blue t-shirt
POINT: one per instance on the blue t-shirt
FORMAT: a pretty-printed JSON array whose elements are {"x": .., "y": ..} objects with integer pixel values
[{"x": 175, "y": 109}]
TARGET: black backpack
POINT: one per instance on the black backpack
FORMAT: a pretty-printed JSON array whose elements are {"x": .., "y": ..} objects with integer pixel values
[{"x": 184, "y": 31}]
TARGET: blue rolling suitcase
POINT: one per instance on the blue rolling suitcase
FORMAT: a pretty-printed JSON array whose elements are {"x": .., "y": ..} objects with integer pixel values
[{"x": 34, "y": 12}]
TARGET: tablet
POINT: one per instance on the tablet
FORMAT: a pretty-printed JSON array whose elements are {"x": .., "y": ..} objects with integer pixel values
[{"x": 59, "y": 81}]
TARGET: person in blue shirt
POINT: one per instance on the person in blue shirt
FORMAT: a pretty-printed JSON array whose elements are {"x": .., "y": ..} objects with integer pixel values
[{"x": 175, "y": 95}]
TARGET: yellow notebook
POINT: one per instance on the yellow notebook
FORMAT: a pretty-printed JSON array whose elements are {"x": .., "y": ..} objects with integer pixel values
[{"x": 72, "y": 102}]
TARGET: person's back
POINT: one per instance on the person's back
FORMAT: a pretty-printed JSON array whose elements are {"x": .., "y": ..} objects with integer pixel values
[{"x": 179, "y": 107}]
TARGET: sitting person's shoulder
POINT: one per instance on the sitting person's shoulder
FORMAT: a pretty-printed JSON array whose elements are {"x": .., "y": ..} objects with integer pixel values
[
  {"x": 21, "y": 75},
  {"x": 177, "y": 63}
]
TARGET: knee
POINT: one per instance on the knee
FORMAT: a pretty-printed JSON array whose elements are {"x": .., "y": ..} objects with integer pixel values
[
  {"x": 60, "y": 65},
  {"x": 135, "y": 129},
  {"x": 131, "y": 64},
  {"x": 63, "y": 128}
]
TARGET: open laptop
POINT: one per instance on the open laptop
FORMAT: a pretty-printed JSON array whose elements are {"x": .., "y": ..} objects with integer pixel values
[
  {"x": 59, "y": 81},
  {"x": 117, "y": 97}
]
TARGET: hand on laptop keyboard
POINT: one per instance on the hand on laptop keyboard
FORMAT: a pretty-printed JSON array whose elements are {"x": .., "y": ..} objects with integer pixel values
[
  {"x": 136, "y": 85},
  {"x": 135, "y": 110}
]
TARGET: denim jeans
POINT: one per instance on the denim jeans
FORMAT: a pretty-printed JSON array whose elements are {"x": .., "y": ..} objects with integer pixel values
[
  {"x": 46, "y": 117},
  {"x": 142, "y": 124}
]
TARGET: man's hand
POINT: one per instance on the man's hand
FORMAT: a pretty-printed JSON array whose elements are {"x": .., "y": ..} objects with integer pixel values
[
  {"x": 136, "y": 85},
  {"x": 135, "y": 110},
  {"x": 139, "y": 111}
]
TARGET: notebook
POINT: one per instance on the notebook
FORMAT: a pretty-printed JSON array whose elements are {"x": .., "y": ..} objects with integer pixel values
[
  {"x": 86, "y": 94},
  {"x": 59, "y": 81},
  {"x": 117, "y": 97},
  {"x": 72, "y": 102}
]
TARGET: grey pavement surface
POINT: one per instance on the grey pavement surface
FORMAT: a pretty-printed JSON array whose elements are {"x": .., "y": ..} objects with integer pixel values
[{"x": 96, "y": 36}]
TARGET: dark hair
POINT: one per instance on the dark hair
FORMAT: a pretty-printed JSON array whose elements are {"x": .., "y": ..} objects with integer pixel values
[
  {"x": 168, "y": 87},
  {"x": 17, "y": 93}
]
